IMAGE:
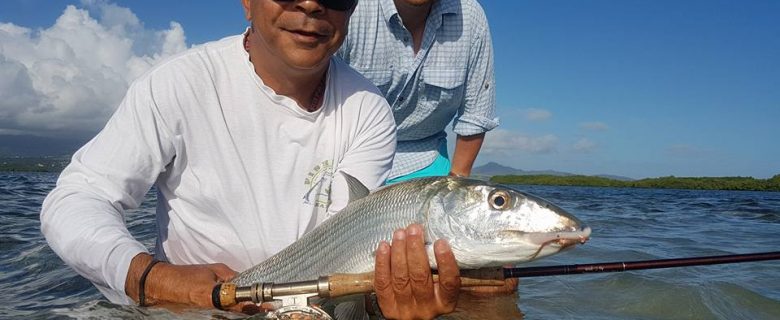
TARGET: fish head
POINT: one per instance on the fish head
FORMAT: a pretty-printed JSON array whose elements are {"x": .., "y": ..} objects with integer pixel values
[{"x": 490, "y": 225}]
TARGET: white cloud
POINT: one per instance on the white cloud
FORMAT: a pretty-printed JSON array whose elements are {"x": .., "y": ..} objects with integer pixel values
[
  {"x": 594, "y": 126},
  {"x": 585, "y": 145},
  {"x": 501, "y": 142},
  {"x": 534, "y": 114},
  {"x": 16, "y": 91},
  {"x": 71, "y": 76}
]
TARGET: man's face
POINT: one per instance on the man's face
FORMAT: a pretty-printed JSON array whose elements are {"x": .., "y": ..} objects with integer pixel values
[{"x": 302, "y": 34}]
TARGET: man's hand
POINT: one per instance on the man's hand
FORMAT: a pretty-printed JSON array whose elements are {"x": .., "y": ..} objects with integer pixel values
[
  {"x": 403, "y": 282},
  {"x": 168, "y": 284}
]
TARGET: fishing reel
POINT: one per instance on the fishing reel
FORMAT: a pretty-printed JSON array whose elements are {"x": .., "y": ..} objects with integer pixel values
[
  {"x": 294, "y": 299},
  {"x": 296, "y": 312}
]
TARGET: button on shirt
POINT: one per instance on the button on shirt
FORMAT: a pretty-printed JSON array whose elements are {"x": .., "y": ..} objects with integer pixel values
[{"x": 451, "y": 76}]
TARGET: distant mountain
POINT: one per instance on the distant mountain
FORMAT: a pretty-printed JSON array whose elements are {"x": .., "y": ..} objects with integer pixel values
[
  {"x": 495, "y": 169},
  {"x": 614, "y": 177},
  {"x": 35, "y": 146}
]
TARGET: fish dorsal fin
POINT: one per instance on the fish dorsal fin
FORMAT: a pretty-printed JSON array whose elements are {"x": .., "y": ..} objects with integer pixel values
[{"x": 356, "y": 188}]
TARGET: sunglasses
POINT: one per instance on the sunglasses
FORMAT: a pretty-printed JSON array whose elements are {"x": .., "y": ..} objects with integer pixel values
[{"x": 338, "y": 5}]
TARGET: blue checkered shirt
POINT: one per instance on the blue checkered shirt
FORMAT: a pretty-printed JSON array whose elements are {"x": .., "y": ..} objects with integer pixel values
[{"x": 450, "y": 77}]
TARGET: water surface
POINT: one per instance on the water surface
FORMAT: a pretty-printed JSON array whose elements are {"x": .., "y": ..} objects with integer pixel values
[{"x": 628, "y": 224}]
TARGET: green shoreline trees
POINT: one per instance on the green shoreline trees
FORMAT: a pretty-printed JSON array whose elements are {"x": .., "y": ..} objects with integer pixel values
[
  {"x": 671, "y": 182},
  {"x": 33, "y": 164},
  {"x": 56, "y": 164}
]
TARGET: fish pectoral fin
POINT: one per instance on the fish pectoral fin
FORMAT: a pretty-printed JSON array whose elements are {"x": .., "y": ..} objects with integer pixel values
[{"x": 356, "y": 188}]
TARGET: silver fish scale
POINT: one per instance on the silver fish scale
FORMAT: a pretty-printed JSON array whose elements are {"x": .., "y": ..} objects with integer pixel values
[{"x": 346, "y": 242}]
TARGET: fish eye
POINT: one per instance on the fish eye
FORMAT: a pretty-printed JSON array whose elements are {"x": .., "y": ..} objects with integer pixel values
[{"x": 499, "y": 200}]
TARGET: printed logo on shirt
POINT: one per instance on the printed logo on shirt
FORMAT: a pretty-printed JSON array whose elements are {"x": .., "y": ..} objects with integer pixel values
[{"x": 318, "y": 183}]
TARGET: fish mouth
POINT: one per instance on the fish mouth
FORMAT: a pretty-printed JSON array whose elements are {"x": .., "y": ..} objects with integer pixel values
[{"x": 561, "y": 240}]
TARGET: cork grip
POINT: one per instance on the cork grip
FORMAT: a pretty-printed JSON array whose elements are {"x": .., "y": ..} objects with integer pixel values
[
  {"x": 224, "y": 295},
  {"x": 341, "y": 284}
]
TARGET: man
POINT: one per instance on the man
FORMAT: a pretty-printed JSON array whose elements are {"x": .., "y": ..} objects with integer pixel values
[
  {"x": 243, "y": 139},
  {"x": 433, "y": 61}
]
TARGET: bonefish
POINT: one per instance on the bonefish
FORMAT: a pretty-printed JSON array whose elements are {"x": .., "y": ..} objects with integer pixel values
[{"x": 487, "y": 225}]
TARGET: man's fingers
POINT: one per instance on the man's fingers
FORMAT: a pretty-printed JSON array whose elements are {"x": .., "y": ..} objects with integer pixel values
[
  {"x": 222, "y": 271},
  {"x": 400, "y": 271},
  {"x": 449, "y": 275},
  {"x": 383, "y": 282},
  {"x": 419, "y": 267},
  {"x": 246, "y": 307}
]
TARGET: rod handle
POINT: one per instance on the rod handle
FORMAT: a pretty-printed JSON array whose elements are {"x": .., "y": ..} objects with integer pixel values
[
  {"x": 342, "y": 284},
  {"x": 224, "y": 295}
]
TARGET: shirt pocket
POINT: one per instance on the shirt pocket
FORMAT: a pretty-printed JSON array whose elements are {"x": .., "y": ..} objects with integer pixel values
[
  {"x": 380, "y": 78},
  {"x": 442, "y": 88}
]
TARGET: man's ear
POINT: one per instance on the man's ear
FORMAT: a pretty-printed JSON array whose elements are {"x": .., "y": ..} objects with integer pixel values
[{"x": 247, "y": 9}]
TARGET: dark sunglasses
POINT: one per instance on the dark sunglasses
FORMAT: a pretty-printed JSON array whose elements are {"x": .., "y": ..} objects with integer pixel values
[{"x": 339, "y": 5}]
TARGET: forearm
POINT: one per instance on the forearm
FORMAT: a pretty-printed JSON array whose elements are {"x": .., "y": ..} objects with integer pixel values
[
  {"x": 132, "y": 282},
  {"x": 83, "y": 217},
  {"x": 466, "y": 151},
  {"x": 167, "y": 283},
  {"x": 90, "y": 236}
]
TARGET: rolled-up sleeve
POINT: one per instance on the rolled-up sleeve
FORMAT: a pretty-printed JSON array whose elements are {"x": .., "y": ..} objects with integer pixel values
[
  {"x": 478, "y": 113},
  {"x": 83, "y": 219}
]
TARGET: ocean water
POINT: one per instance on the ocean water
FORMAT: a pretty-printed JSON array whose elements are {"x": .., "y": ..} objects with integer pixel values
[{"x": 628, "y": 225}]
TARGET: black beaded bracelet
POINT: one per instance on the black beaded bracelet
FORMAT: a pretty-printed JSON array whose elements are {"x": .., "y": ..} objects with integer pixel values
[
  {"x": 215, "y": 296},
  {"x": 142, "y": 283}
]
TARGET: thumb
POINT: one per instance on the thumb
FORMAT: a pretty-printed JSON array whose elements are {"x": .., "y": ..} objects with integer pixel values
[{"x": 222, "y": 271}]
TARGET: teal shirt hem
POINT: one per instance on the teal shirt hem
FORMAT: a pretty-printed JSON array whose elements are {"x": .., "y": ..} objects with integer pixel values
[{"x": 439, "y": 167}]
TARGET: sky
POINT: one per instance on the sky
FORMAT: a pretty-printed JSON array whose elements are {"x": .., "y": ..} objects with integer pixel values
[{"x": 622, "y": 87}]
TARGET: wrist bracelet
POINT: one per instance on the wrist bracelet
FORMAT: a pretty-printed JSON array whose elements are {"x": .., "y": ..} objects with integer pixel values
[
  {"x": 142, "y": 283},
  {"x": 215, "y": 296}
]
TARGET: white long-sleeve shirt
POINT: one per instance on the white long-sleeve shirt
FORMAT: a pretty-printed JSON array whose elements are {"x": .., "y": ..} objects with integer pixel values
[{"x": 241, "y": 172}]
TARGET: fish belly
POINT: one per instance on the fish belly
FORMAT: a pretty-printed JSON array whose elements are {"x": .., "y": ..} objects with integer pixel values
[{"x": 345, "y": 243}]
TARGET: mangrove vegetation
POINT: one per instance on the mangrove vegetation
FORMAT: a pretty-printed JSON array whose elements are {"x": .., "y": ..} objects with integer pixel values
[{"x": 671, "y": 182}]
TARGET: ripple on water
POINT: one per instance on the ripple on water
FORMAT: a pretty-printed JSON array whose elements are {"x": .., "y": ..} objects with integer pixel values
[
  {"x": 732, "y": 301},
  {"x": 759, "y": 214},
  {"x": 107, "y": 310}
]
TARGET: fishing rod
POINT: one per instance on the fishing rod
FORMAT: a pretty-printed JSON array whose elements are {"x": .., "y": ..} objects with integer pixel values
[
  {"x": 336, "y": 285},
  {"x": 527, "y": 272}
]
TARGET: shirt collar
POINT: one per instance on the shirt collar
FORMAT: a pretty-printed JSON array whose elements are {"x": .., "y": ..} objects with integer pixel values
[{"x": 440, "y": 7}]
